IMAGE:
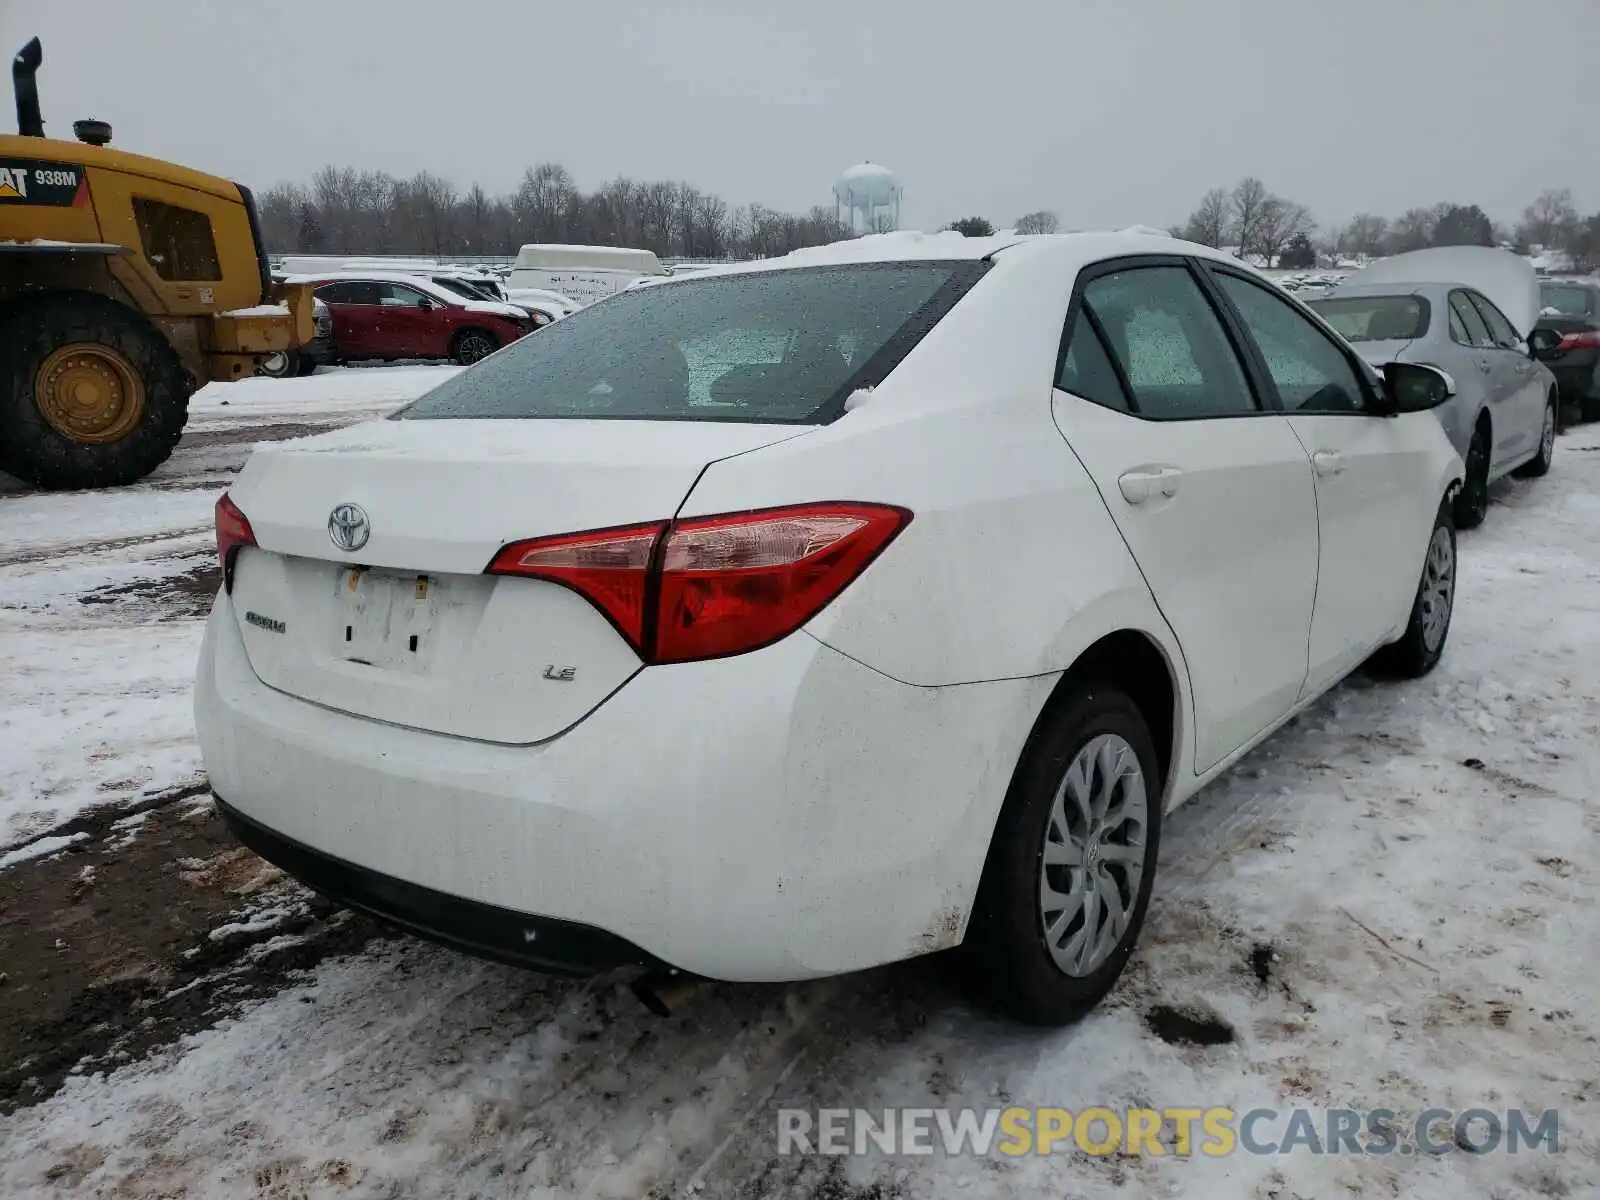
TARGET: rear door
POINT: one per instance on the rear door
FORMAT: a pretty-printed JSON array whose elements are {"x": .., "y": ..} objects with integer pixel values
[
  {"x": 353, "y": 305},
  {"x": 1514, "y": 372},
  {"x": 1211, "y": 491},
  {"x": 1496, "y": 383},
  {"x": 1373, "y": 474}
]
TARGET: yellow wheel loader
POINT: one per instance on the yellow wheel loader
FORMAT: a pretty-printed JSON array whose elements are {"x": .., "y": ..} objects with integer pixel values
[{"x": 126, "y": 284}]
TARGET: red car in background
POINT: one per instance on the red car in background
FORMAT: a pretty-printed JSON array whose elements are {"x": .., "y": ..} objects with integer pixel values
[{"x": 389, "y": 316}]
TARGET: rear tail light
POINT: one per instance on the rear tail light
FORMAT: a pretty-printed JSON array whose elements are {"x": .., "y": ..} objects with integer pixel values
[
  {"x": 710, "y": 587},
  {"x": 1582, "y": 339},
  {"x": 233, "y": 531}
]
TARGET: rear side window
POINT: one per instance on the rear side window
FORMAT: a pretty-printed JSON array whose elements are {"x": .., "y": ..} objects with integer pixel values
[
  {"x": 1169, "y": 343},
  {"x": 177, "y": 241},
  {"x": 779, "y": 346},
  {"x": 350, "y": 292},
  {"x": 1086, "y": 368},
  {"x": 1477, "y": 331},
  {"x": 1500, "y": 329}
]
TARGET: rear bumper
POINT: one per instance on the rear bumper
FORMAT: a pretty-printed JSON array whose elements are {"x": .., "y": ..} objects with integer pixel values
[
  {"x": 779, "y": 815},
  {"x": 543, "y": 944}
]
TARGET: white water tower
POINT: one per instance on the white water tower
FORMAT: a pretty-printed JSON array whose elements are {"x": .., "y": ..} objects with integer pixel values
[{"x": 867, "y": 198}]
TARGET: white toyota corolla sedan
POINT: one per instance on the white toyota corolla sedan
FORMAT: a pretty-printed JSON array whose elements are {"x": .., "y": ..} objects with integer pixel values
[{"x": 822, "y": 611}]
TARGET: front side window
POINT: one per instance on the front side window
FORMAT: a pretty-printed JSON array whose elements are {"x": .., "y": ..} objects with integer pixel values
[
  {"x": 1375, "y": 318},
  {"x": 1169, "y": 343},
  {"x": 177, "y": 241},
  {"x": 397, "y": 295},
  {"x": 1477, "y": 331},
  {"x": 1311, "y": 373},
  {"x": 774, "y": 346},
  {"x": 1500, "y": 329}
]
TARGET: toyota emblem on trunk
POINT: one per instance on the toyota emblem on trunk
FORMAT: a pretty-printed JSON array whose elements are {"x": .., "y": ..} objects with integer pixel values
[{"x": 348, "y": 527}]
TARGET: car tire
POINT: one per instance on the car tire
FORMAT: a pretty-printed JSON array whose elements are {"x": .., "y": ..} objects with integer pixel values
[
  {"x": 1090, "y": 758},
  {"x": 150, "y": 393},
  {"x": 473, "y": 345},
  {"x": 1539, "y": 464},
  {"x": 305, "y": 366},
  {"x": 1422, "y": 645},
  {"x": 1472, "y": 501}
]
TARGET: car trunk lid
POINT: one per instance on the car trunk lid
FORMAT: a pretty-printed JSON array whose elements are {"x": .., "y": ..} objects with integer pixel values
[{"x": 405, "y": 627}]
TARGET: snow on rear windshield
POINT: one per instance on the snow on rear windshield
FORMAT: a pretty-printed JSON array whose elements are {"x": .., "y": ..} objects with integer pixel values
[
  {"x": 1375, "y": 318},
  {"x": 777, "y": 346}
]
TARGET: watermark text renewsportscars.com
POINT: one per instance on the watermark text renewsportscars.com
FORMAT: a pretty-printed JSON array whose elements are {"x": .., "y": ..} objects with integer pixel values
[{"x": 1215, "y": 1132}]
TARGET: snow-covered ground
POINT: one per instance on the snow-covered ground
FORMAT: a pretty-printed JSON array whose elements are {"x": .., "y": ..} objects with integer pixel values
[
  {"x": 1392, "y": 904},
  {"x": 94, "y": 678}
]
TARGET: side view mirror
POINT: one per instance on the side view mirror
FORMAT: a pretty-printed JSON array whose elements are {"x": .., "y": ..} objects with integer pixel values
[
  {"x": 1542, "y": 341},
  {"x": 1414, "y": 387}
]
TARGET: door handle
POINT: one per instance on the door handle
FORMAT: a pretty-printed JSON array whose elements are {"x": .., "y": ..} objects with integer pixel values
[
  {"x": 1484, "y": 366},
  {"x": 1326, "y": 462},
  {"x": 1139, "y": 486}
]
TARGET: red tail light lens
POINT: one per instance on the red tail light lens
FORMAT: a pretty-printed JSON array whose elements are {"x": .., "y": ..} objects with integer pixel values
[
  {"x": 1583, "y": 339},
  {"x": 736, "y": 583},
  {"x": 233, "y": 531},
  {"x": 608, "y": 567},
  {"x": 711, "y": 587}
]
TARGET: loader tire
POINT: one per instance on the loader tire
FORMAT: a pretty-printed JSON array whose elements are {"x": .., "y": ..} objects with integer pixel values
[{"x": 91, "y": 395}]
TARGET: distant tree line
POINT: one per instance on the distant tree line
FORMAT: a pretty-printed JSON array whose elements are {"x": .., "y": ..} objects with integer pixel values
[
  {"x": 1282, "y": 232},
  {"x": 1551, "y": 222},
  {"x": 346, "y": 211}
]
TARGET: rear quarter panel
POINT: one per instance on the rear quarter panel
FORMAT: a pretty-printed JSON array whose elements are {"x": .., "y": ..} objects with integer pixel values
[{"x": 1011, "y": 566}]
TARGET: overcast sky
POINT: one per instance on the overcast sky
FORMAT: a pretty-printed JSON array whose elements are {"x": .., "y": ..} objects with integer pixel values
[{"x": 1110, "y": 112}]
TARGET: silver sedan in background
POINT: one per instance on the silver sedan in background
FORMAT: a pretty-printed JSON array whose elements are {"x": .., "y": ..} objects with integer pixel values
[{"x": 1502, "y": 415}]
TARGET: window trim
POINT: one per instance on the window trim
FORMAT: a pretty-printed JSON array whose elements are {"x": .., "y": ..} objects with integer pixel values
[
  {"x": 1133, "y": 262},
  {"x": 1363, "y": 372}
]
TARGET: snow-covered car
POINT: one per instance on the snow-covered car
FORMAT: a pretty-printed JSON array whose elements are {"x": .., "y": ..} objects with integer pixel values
[
  {"x": 821, "y": 612},
  {"x": 1471, "y": 312},
  {"x": 552, "y": 305}
]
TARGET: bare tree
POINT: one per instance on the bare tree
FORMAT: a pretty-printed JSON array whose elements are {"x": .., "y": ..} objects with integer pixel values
[
  {"x": 1249, "y": 195},
  {"x": 1364, "y": 234},
  {"x": 1412, "y": 230},
  {"x": 1549, "y": 218},
  {"x": 1042, "y": 221},
  {"x": 1208, "y": 224},
  {"x": 1278, "y": 223}
]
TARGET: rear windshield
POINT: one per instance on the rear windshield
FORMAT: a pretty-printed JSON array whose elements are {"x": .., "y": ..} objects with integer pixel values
[
  {"x": 1558, "y": 300},
  {"x": 1375, "y": 318},
  {"x": 783, "y": 347}
]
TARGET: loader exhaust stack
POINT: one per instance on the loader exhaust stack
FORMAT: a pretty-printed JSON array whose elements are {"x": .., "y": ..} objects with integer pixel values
[{"x": 30, "y": 123}]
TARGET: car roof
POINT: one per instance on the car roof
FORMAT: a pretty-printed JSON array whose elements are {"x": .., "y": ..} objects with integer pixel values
[
  {"x": 1397, "y": 288},
  {"x": 422, "y": 283},
  {"x": 1063, "y": 250}
]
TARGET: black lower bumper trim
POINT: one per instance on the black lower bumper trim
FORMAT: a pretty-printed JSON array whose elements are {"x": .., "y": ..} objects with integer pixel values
[{"x": 484, "y": 930}]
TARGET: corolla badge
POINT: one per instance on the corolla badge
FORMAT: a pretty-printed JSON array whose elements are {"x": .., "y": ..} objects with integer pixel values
[{"x": 348, "y": 527}]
